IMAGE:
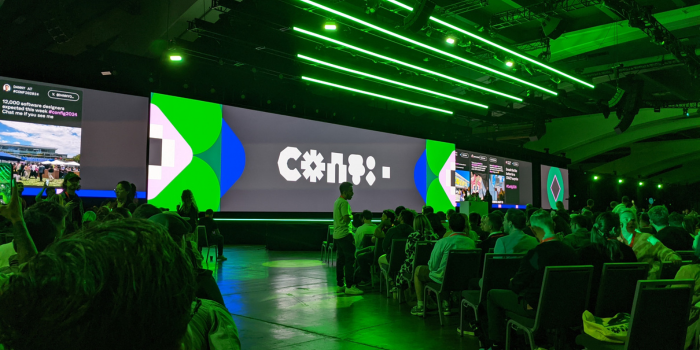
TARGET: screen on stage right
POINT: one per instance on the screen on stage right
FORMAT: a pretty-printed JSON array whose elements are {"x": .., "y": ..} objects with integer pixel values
[
  {"x": 555, "y": 186},
  {"x": 508, "y": 181}
]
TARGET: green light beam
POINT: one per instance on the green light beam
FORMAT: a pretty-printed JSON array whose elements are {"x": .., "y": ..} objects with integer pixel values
[
  {"x": 408, "y": 64},
  {"x": 477, "y": 37},
  {"x": 494, "y": 71},
  {"x": 391, "y": 81},
  {"x": 375, "y": 95}
]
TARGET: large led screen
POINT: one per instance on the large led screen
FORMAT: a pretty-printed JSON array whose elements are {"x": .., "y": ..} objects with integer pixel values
[
  {"x": 509, "y": 181},
  {"x": 241, "y": 160},
  {"x": 555, "y": 186},
  {"x": 102, "y": 136}
]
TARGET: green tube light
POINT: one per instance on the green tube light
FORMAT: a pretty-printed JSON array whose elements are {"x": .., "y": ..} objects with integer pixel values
[
  {"x": 475, "y": 64},
  {"x": 371, "y": 53},
  {"x": 391, "y": 81},
  {"x": 375, "y": 95},
  {"x": 477, "y": 37}
]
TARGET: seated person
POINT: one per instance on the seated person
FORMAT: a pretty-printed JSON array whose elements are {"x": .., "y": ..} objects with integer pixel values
[
  {"x": 580, "y": 235},
  {"x": 645, "y": 224},
  {"x": 692, "y": 272},
  {"x": 365, "y": 230},
  {"x": 435, "y": 270},
  {"x": 675, "y": 238},
  {"x": 151, "y": 288},
  {"x": 364, "y": 258},
  {"x": 423, "y": 232},
  {"x": 400, "y": 231},
  {"x": 525, "y": 286},
  {"x": 475, "y": 224},
  {"x": 516, "y": 241},
  {"x": 646, "y": 247},
  {"x": 213, "y": 234}
]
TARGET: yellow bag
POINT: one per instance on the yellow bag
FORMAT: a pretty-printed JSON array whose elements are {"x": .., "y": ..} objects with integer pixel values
[{"x": 612, "y": 329}]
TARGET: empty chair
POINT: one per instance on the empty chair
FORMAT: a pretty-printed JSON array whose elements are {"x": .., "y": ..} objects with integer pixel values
[
  {"x": 462, "y": 265},
  {"x": 396, "y": 259},
  {"x": 327, "y": 245},
  {"x": 422, "y": 256},
  {"x": 498, "y": 270},
  {"x": 669, "y": 269},
  {"x": 563, "y": 299},
  {"x": 618, "y": 283},
  {"x": 659, "y": 318}
]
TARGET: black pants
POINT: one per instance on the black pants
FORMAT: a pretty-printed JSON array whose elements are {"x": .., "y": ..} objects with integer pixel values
[
  {"x": 41, "y": 176},
  {"x": 363, "y": 265},
  {"x": 498, "y": 302},
  {"x": 345, "y": 263},
  {"x": 213, "y": 239}
]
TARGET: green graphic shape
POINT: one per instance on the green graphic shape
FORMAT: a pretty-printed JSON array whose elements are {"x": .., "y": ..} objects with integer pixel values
[
  {"x": 198, "y": 177},
  {"x": 438, "y": 155},
  {"x": 198, "y": 122},
  {"x": 555, "y": 173}
]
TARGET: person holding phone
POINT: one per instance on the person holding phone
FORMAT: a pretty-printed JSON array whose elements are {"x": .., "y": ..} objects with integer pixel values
[
  {"x": 50, "y": 193},
  {"x": 72, "y": 203},
  {"x": 13, "y": 213}
]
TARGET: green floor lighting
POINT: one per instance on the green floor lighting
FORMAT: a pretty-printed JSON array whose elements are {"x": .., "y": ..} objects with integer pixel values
[
  {"x": 391, "y": 81},
  {"x": 371, "y": 53},
  {"x": 375, "y": 95},
  {"x": 475, "y": 64},
  {"x": 477, "y": 37}
]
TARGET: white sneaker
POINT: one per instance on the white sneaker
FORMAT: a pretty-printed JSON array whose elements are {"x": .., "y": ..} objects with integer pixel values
[
  {"x": 353, "y": 291},
  {"x": 340, "y": 289}
]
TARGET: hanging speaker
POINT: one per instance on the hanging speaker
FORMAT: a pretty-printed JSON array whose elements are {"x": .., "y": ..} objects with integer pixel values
[
  {"x": 418, "y": 19},
  {"x": 551, "y": 27},
  {"x": 629, "y": 107}
]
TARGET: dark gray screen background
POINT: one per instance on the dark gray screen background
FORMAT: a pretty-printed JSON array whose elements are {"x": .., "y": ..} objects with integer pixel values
[
  {"x": 261, "y": 188},
  {"x": 524, "y": 175},
  {"x": 114, "y": 139},
  {"x": 543, "y": 181}
]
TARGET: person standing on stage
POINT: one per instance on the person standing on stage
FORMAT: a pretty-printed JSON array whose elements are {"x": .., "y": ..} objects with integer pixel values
[{"x": 343, "y": 238}]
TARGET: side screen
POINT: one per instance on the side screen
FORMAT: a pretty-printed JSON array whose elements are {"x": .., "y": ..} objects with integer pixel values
[
  {"x": 99, "y": 135},
  {"x": 507, "y": 180},
  {"x": 236, "y": 159},
  {"x": 555, "y": 187}
]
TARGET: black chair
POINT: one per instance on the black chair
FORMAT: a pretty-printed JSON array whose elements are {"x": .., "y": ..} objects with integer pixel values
[
  {"x": 421, "y": 257},
  {"x": 498, "y": 270},
  {"x": 396, "y": 259},
  {"x": 563, "y": 299},
  {"x": 462, "y": 265},
  {"x": 670, "y": 269},
  {"x": 327, "y": 245},
  {"x": 203, "y": 242},
  {"x": 686, "y": 254},
  {"x": 618, "y": 284},
  {"x": 659, "y": 318}
]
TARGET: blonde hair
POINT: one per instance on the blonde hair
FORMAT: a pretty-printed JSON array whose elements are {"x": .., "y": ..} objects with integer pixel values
[{"x": 422, "y": 225}]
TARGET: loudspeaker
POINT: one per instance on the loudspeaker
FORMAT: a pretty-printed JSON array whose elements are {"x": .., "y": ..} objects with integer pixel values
[
  {"x": 539, "y": 128},
  {"x": 630, "y": 104},
  {"x": 551, "y": 27},
  {"x": 418, "y": 19}
]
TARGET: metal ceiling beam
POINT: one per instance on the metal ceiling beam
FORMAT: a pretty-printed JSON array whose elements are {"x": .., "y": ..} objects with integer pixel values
[{"x": 520, "y": 15}]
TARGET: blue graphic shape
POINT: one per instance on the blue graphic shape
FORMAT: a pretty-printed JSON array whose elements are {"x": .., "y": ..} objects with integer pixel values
[
  {"x": 232, "y": 158},
  {"x": 419, "y": 175}
]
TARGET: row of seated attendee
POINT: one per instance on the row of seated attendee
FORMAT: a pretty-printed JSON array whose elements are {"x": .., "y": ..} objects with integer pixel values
[
  {"x": 556, "y": 238},
  {"x": 128, "y": 280}
]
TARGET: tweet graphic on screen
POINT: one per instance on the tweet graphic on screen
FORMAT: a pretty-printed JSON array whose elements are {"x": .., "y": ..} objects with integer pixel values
[{"x": 236, "y": 159}]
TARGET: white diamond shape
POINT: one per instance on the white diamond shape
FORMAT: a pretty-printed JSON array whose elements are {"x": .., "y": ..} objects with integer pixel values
[
  {"x": 556, "y": 196},
  {"x": 370, "y": 178}
]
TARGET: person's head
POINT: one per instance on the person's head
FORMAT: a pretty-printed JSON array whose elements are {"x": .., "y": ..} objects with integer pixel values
[
  {"x": 428, "y": 210},
  {"x": 71, "y": 182},
  {"x": 422, "y": 225},
  {"x": 367, "y": 216},
  {"x": 458, "y": 223},
  {"x": 56, "y": 212},
  {"x": 346, "y": 190},
  {"x": 590, "y": 203},
  {"x": 441, "y": 215},
  {"x": 123, "y": 191},
  {"x": 89, "y": 216},
  {"x": 625, "y": 200},
  {"x": 607, "y": 226},
  {"x": 209, "y": 213},
  {"x": 528, "y": 206},
  {"x": 493, "y": 222},
  {"x": 628, "y": 221},
  {"x": 399, "y": 209},
  {"x": 689, "y": 224},
  {"x": 613, "y": 204},
  {"x": 450, "y": 212},
  {"x": 514, "y": 221},
  {"x": 145, "y": 211},
  {"x": 542, "y": 223},
  {"x": 561, "y": 226},
  {"x": 436, "y": 224},
  {"x": 407, "y": 217},
  {"x": 390, "y": 215},
  {"x": 102, "y": 213},
  {"x": 474, "y": 220},
  {"x": 560, "y": 205},
  {"x": 644, "y": 220},
  {"x": 50, "y": 192},
  {"x": 579, "y": 222},
  {"x": 175, "y": 225},
  {"x": 658, "y": 216},
  {"x": 122, "y": 285},
  {"x": 675, "y": 219},
  {"x": 528, "y": 213},
  {"x": 41, "y": 228},
  {"x": 20, "y": 187},
  {"x": 123, "y": 212},
  {"x": 187, "y": 197}
]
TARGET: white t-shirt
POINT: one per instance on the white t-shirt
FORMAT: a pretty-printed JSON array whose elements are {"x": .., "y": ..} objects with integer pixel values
[
  {"x": 6, "y": 251},
  {"x": 340, "y": 209}
]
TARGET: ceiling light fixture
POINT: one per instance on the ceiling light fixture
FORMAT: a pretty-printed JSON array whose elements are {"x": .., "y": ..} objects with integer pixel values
[
  {"x": 330, "y": 26},
  {"x": 477, "y": 37},
  {"x": 175, "y": 57},
  {"x": 475, "y": 64},
  {"x": 450, "y": 40},
  {"x": 510, "y": 63},
  {"x": 371, "y": 53},
  {"x": 392, "y": 81},
  {"x": 375, "y": 95}
]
